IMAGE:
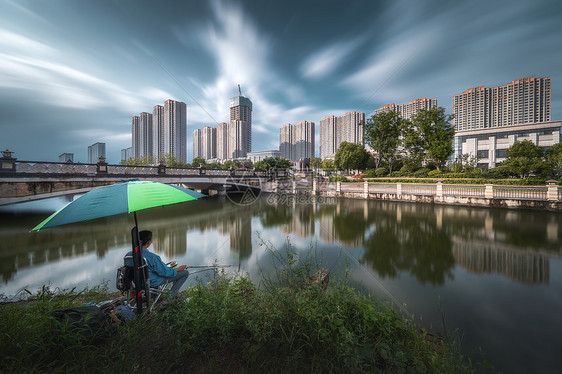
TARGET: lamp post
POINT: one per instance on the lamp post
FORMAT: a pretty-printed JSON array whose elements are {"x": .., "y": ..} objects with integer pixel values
[{"x": 101, "y": 166}]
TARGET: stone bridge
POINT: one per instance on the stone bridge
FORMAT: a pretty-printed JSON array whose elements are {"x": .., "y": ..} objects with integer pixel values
[{"x": 22, "y": 181}]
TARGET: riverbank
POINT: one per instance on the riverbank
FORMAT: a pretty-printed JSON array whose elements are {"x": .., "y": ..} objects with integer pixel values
[
  {"x": 229, "y": 325},
  {"x": 548, "y": 197}
]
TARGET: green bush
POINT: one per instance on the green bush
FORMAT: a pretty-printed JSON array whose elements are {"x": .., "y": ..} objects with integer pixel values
[
  {"x": 381, "y": 172},
  {"x": 421, "y": 173},
  {"x": 370, "y": 173}
]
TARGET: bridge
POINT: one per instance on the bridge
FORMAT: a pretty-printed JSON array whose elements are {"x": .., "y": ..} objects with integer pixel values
[{"x": 22, "y": 181}]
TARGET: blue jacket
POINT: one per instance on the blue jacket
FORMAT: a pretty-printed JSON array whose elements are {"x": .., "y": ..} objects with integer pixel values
[{"x": 157, "y": 269}]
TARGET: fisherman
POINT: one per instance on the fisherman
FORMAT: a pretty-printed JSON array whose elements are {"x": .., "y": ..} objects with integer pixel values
[{"x": 158, "y": 271}]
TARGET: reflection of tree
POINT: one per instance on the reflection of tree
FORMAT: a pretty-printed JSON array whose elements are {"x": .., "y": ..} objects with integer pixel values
[
  {"x": 415, "y": 245},
  {"x": 274, "y": 215}
]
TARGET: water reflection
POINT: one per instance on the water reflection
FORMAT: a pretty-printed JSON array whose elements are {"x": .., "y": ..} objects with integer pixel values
[{"x": 424, "y": 240}]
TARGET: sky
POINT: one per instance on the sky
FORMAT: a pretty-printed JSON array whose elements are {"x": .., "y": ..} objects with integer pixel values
[{"x": 73, "y": 73}]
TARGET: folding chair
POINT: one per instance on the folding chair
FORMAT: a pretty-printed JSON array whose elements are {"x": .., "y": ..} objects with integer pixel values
[{"x": 125, "y": 283}]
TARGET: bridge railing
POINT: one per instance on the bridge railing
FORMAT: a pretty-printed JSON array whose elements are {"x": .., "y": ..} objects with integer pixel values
[{"x": 41, "y": 167}]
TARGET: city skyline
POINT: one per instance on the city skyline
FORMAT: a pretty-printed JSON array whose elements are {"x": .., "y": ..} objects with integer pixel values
[{"x": 73, "y": 80}]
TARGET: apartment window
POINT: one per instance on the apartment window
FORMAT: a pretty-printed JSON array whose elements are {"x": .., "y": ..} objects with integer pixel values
[
  {"x": 500, "y": 153},
  {"x": 482, "y": 154}
]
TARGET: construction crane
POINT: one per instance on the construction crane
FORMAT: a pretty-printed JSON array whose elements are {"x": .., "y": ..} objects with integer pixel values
[{"x": 239, "y": 91}]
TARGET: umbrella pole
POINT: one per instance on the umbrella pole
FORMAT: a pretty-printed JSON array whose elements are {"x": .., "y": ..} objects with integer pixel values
[{"x": 137, "y": 263}]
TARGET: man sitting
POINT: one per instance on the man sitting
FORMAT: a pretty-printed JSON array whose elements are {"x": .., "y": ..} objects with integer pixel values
[{"x": 158, "y": 271}]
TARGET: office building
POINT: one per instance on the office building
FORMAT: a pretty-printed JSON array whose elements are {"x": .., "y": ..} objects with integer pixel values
[
  {"x": 335, "y": 130},
  {"x": 406, "y": 111},
  {"x": 296, "y": 142},
  {"x": 66, "y": 157},
  {"x": 126, "y": 153},
  {"x": 489, "y": 145},
  {"x": 240, "y": 127},
  {"x": 523, "y": 101},
  {"x": 95, "y": 151}
]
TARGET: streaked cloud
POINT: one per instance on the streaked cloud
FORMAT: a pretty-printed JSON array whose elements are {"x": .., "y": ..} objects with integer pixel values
[{"x": 323, "y": 62}]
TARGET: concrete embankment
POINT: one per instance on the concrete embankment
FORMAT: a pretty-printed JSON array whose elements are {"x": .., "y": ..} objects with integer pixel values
[{"x": 522, "y": 203}]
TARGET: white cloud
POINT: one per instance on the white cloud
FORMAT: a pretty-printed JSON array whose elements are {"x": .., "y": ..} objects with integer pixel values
[
  {"x": 325, "y": 61},
  {"x": 33, "y": 66}
]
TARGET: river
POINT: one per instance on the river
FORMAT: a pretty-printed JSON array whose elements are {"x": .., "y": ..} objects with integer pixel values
[{"x": 494, "y": 275}]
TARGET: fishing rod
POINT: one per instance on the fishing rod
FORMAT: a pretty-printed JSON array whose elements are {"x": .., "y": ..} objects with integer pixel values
[{"x": 208, "y": 266}]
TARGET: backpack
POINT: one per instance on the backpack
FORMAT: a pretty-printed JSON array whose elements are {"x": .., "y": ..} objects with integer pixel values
[{"x": 124, "y": 278}]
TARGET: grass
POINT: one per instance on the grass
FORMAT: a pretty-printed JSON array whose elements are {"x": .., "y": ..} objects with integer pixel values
[{"x": 228, "y": 324}]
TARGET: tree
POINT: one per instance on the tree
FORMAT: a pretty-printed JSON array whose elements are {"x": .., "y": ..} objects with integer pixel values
[
  {"x": 382, "y": 134},
  {"x": 197, "y": 162},
  {"x": 328, "y": 164},
  {"x": 273, "y": 163},
  {"x": 139, "y": 161},
  {"x": 315, "y": 163},
  {"x": 524, "y": 159},
  {"x": 554, "y": 159},
  {"x": 430, "y": 136},
  {"x": 351, "y": 156},
  {"x": 170, "y": 160}
]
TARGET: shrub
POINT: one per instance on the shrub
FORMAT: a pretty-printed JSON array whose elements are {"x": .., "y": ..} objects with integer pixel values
[
  {"x": 381, "y": 172},
  {"x": 370, "y": 173},
  {"x": 421, "y": 173}
]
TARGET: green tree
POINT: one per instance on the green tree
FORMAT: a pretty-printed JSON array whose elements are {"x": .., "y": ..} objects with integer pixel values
[
  {"x": 139, "y": 161},
  {"x": 429, "y": 136},
  {"x": 273, "y": 163},
  {"x": 328, "y": 165},
  {"x": 198, "y": 161},
  {"x": 554, "y": 159},
  {"x": 170, "y": 160},
  {"x": 315, "y": 163},
  {"x": 382, "y": 134},
  {"x": 524, "y": 159},
  {"x": 235, "y": 164},
  {"x": 351, "y": 156}
]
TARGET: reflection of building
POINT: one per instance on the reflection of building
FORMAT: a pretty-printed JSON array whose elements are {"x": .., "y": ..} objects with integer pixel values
[
  {"x": 408, "y": 110},
  {"x": 302, "y": 222},
  {"x": 239, "y": 228},
  {"x": 519, "y": 265},
  {"x": 327, "y": 229},
  {"x": 172, "y": 243},
  {"x": 335, "y": 130}
]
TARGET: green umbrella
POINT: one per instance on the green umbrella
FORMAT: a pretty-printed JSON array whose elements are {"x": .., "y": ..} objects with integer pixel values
[{"x": 125, "y": 197}]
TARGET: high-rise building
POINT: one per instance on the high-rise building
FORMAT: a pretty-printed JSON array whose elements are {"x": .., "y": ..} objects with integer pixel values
[
  {"x": 135, "y": 123},
  {"x": 222, "y": 141},
  {"x": 197, "y": 143},
  {"x": 490, "y": 120},
  {"x": 296, "y": 142},
  {"x": 126, "y": 153},
  {"x": 240, "y": 127},
  {"x": 335, "y": 130},
  {"x": 95, "y": 151},
  {"x": 523, "y": 101},
  {"x": 146, "y": 134},
  {"x": 175, "y": 129},
  {"x": 209, "y": 142},
  {"x": 66, "y": 157},
  {"x": 158, "y": 132},
  {"x": 408, "y": 110}
]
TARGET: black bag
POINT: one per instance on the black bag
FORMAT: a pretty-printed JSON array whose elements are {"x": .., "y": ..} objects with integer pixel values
[
  {"x": 124, "y": 277},
  {"x": 89, "y": 323}
]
